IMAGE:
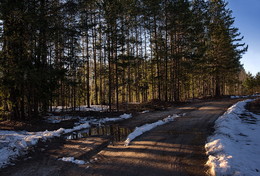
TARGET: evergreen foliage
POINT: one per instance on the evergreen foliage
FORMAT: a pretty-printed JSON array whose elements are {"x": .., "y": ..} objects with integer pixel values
[{"x": 73, "y": 52}]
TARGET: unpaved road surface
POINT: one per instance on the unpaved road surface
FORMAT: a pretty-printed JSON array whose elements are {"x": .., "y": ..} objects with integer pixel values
[{"x": 176, "y": 148}]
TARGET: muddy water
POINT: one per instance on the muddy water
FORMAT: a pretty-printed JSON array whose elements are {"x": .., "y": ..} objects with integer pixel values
[{"x": 114, "y": 132}]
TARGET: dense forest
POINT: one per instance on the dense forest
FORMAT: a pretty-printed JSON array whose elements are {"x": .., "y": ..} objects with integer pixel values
[
  {"x": 113, "y": 52},
  {"x": 252, "y": 83}
]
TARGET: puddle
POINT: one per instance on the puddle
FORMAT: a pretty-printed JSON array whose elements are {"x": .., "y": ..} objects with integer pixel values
[{"x": 115, "y": 132}]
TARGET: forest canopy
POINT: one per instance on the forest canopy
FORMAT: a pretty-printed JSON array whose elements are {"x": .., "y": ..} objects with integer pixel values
[{"x": 74, "y": 52}]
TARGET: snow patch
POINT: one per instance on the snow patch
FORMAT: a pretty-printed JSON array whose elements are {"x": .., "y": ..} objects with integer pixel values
[
  {"x": 146, "y": 111},
  {"x": 121, "y": 117},
  {"x": 58, "y": 119},
  {"x": 15, "y": 143},
  {"x": 77, "y": 128},
  {"x": 72, "y": 160},
  {"x": 234, "y": 147},
  {"x": 83, "y": 108},
  {"x": 147, "y": 127},
  {"x": 241, "y": 96}
]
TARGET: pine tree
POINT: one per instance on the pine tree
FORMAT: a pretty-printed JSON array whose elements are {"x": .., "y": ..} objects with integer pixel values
[
  {"x": 224, "y": 54},
  {"x": 75, "y": 52}
]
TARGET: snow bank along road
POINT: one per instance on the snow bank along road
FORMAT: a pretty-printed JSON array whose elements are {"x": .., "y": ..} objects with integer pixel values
[
  {"x": 235, "y": 145},
  {"x": 176, "y": 148}
]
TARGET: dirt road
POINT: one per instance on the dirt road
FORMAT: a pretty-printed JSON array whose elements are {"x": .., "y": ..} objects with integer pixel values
[{"x": 176, "y": 148}]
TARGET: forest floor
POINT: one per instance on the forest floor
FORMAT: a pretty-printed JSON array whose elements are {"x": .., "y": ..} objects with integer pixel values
[
  {"x": 176, "y": 148},
  {"x": 254, "y": 106},
  {"x": 35, "y": 125}
]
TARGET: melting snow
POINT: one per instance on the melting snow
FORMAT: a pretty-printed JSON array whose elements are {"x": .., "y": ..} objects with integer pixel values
[
  {"x": 58, "y": 119},
  {"x": 80, "y": 108},
  {"x": 235, "y": 146},
  {"x": 72, "y": 160},
  {"x": 16, "y": 143},
  {"x": 146, "y": 111},
  {"x": 147, "y": 127},
  {"x": 243, "y": 96},
  {"x": 121, "y": 117}
]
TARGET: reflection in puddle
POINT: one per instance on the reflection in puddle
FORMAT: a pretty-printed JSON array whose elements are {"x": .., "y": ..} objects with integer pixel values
[{"x": 114, "y": 131}]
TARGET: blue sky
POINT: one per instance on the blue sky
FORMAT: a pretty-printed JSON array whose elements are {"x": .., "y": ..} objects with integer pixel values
[{"x": 247, "y": 19}]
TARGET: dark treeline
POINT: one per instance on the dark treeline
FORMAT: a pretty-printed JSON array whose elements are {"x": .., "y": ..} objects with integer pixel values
[
  {"x": 252, "y": 83},
  {"x": 74, "y": 52}
]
